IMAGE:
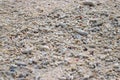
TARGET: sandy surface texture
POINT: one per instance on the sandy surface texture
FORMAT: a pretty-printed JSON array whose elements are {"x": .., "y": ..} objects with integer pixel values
[{"x": 59, "y": 39}]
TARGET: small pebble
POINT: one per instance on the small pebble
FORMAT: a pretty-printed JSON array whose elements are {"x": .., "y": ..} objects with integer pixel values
[
  {"x": 86, "y": 79},
  {"x": 94, "y": 29},
  {"x": 63, "y": 25},
  {"x": 81, "y": 32},
  {"x": 12, "y": 68},
  {"x": 85, "y": 49},
  {"x": 20, "y": 63},
  {"x": 27, "y": 51},
  {"x": 89, "y": 3}
]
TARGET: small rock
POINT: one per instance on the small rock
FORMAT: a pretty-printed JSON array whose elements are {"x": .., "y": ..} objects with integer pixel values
[
  {"x": 115, "y": 22},
  {"x": 12, "y": 68},
  {"x": 31, "y": 61},
  {"x": 94, "y": 29},
  {"x": 21, "y": 76},
  {"x": 92, "y": 66},
  {"x": 57, "y": 13},
  {"x": 81, "y": 32},
  {"x": 85, "y": 49},
  {"x": 77, "y": 36},
  {"x": 116, "y": 67},
  {"x": 63, "y": 25},
  {"x": 92, "y": 46},
  {"x": 20, "y": 63},
  {"x": 44, "y": 47},
  {"x": 96, "y": 22},
  {"x": 86, "y": 79},
  {"x": 62, "y": 78},
  {"x": 27, "y": 51},
  {"x": 89, "y": 3}
]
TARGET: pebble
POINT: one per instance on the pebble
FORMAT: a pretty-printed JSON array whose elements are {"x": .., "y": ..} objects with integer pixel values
[
  {"x": 44, "y": 47},
  {"x": 116, "y": 67},
  {"x": 92, "y": 66},
  {"x": 12, "y": 68},
  {"x": 92, "y": 46},
  {"x": 76, "y": 39},
  {"x": 27, "y": 51},
  {"x": 63, "y": 25},
  {"x": 77, "y": 36},
  {"x": 89, "y": 3},
  {"x": 94, "y": 29},
  {"x": 62, "y": 78},
  {"x": 81, "y": 32},
  {"x": 57, "y": 13},
  {"x": 20, "y": 63},
  {"x": 96, "y": 22},
  {"x": 115, "y": 22},
  {"x": 86, "y": 79},
  {"x": 22, "y": 76}
]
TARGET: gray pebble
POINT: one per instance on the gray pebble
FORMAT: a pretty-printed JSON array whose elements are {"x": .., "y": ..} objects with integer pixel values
[
  {"x": 12, "y": 68},
  {"x": 115, "y": 22},
  {"x": 81, "y": 32},
  {"x": 77, "y": 36},
  {"x": 94, "y": 29},
  {"x": 63, "y": 25},
  {"x": 91, "y": 66},
  {"x": 116, "y": 67},
  {"x": 95, "y": 23},
  {"x": 20, "y": 63},
  {"x": 86, "y": 79},
  {"x": 27, "y": 51},
  {"x": 89, "y": 3}
]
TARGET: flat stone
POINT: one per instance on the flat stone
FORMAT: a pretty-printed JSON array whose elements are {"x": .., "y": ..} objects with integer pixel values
[
  {"x": 27, "y": 51},
  {"x": 81, "y": 32},
  {"x": 20, "y": 63},
  {"x": 94, "y": 29},
  {"x": 63, "y": 25},
  {"x": 89, "y": 3}
]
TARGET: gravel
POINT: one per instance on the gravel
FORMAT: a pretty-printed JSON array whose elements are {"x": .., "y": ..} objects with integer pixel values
[{"x": 59, "y": 39}]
